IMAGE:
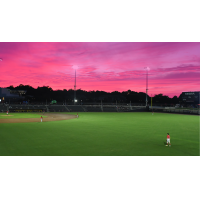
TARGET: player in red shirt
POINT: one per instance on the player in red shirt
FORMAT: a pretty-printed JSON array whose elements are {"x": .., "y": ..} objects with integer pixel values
[
  {"x": 41, "y": 118},
  {"x": 7, "y": 112},
  {"x": 77, "y": 115},
  {"x": 168, "y": 140}
]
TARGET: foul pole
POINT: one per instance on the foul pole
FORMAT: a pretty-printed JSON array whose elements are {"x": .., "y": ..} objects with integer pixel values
[{"x": 75, "y": 89}]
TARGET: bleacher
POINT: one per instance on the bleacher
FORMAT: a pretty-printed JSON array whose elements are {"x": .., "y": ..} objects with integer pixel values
[
  {"x": 69, "y": 108},
  {"x": 138, "y": 109},
  {"x": 57, "y": 108},
  {"x": 3, "y": 108},
  {"x": 123, "y": 108},
  {"x": 26, "y": 108},
  {"x": 75, "y": 108},
  {"x": 91, "y": 108},
  {"x": 110, "y": 109}
]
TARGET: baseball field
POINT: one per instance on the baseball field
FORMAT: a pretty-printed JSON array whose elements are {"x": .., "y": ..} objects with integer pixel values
[{"x": 98, "y": 134}]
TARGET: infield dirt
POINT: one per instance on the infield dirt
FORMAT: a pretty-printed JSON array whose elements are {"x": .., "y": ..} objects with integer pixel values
[{"x": 49, "y": 117}]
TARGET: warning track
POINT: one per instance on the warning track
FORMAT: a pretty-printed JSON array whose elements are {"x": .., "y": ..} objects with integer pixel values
[{"x": 49, "y": 117}]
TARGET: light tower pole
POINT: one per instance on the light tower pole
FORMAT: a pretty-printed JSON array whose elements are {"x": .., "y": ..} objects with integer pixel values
[
  {"x": 75, "y": 89},
  {"x": 146, "y": 86},
  {"x": 1, "y": 59},
  {"x": 1, "y": 100}
]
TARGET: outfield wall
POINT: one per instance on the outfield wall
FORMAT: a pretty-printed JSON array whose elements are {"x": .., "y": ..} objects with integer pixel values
[
  {"x": 71, "y": 108},
  {"x": 175, "y": 110},
  {"x": 93, "y": 108}
]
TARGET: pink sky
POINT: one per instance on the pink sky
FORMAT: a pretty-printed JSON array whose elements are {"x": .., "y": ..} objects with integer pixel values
[{"x": 174, "y": 67}]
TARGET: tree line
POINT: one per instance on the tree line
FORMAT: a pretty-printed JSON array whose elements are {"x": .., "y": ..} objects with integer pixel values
[{"x": 46, "y": 93}]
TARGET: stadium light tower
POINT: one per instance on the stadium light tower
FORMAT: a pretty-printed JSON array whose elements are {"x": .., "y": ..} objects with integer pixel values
[
  {"x": 147, "y": 68},
  {"x": 75, "y": 90},
  {"x": 1, "y": 59}
]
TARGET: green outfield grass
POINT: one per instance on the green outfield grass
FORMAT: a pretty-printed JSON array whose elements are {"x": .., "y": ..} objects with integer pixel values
[
  {"x": 21, "y": 115},
  {"x": 104, "y": 134}
]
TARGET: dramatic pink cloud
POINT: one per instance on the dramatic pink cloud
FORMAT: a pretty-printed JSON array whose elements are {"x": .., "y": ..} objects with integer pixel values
[{"x": 174, "y": 67}]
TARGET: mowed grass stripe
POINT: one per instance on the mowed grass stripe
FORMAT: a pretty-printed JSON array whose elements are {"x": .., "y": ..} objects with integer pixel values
[{"x": 104, "y": 134}]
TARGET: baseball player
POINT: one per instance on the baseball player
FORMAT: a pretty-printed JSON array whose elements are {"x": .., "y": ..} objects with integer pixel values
[
  {"x": 77, "y": 115},
  {"x": 168, "y": 140},
  {"x": 7, "y": 112},
  {"x": 41, "y": 118}
]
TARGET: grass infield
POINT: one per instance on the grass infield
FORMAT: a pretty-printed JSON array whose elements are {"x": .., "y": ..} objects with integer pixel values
[{"x": 103, "y": 134}]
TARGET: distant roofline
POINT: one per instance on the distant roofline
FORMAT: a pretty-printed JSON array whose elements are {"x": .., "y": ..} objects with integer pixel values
[{"x": 191, "y": 91}]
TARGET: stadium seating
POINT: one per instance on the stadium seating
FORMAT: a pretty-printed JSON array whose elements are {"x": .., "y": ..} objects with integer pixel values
[
  {"x": 90, "y": 108},
  {"x": 110, "y": 108},
  {"x": 75, "y": 108},
  {"x": 93, "y": 108}
]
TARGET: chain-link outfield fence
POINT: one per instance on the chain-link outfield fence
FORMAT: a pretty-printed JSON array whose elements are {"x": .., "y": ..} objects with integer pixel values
[
  {"x": 71, "y": 108},
  {"x": 192, "y": 111},
  {"x": 95, "y": 108}
]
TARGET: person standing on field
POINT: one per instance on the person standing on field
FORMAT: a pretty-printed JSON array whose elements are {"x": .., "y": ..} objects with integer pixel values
[
  {"x": 168, "y": 140},
  {"x": 77, "y": 115},
  {"x": 41, "y": 118},
  {"x": 7, "y": 112}
]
